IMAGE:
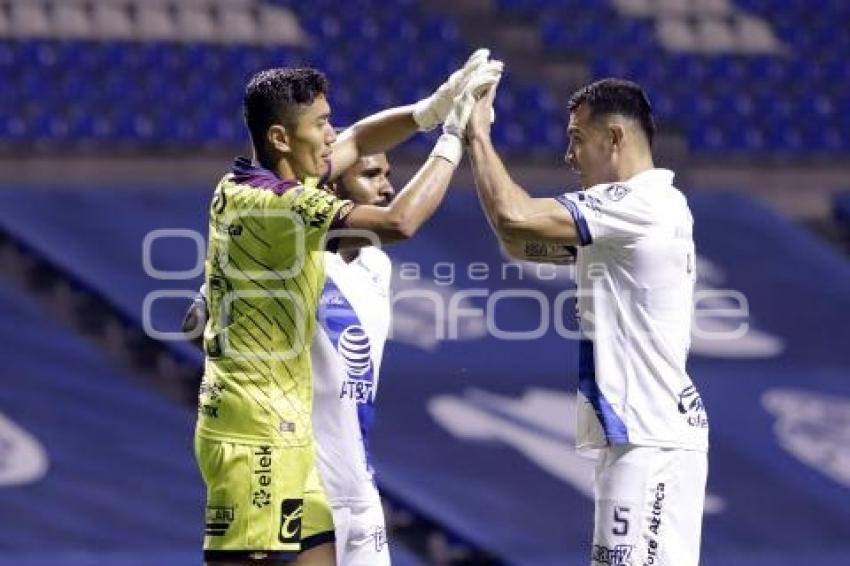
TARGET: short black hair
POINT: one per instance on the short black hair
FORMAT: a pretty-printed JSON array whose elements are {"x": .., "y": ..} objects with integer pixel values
[
  {"x": 616, "y": 96},
  {"x": 273, "y": 95}
]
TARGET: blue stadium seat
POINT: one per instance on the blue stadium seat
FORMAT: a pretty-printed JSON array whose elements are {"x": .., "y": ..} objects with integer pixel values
[{"x": 115, "y": 84}]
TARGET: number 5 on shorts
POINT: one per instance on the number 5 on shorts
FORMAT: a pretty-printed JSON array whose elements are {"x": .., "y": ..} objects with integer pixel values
[{"x": 621, "y": 518}]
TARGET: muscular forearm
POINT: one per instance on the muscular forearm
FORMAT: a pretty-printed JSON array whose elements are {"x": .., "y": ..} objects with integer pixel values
[
  {"x": 408, "y": 211},
  {"x": 501, "y": 198},
  {"x": 385, "y": 130},
  {"x": 531, "y": 229},
  {"x": 420, "y": 197}
]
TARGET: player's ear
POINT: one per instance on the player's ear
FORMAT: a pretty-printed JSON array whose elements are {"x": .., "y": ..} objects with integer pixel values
[
  {"x": 278, "y": 137},
  {"x": 616, "y": 132}
]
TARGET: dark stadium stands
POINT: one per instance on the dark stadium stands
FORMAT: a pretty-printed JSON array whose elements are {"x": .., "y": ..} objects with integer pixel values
[
  {"x": 732, "y": 76},
  {"x": 116, "y": 481},
  {"x": 136, "y": 94},
  {"x": 756, "y": 76},
  {"x": 841, "y": 210},
  {"x": 96, "y": 467}
]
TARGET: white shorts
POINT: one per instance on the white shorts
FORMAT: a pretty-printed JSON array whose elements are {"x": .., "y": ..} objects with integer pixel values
[
  {"x": 361, "y": 536},
  {"x": 649, "y": 505}
]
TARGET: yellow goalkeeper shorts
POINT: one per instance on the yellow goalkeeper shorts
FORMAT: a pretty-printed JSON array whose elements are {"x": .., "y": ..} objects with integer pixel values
[{"x": 263, "y": 502}]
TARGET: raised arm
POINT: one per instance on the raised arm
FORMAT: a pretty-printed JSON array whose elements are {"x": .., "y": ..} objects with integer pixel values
[
  {"x": 421, "y": 196},
  {"x": 535, "y": 229},
  {"x": 386, "y": 129},
  {"x": 415, "y": 204},
  {"x": 374, "y": 134}
]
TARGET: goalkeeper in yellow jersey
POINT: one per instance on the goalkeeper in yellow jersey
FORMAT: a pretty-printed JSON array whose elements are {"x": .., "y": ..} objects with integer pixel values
[{"x": 269, "y": 224}]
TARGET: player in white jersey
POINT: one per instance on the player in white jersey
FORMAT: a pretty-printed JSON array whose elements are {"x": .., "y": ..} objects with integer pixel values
[
  {"x": 630, "y": 231},
  {"x": 353, "y": 323}
]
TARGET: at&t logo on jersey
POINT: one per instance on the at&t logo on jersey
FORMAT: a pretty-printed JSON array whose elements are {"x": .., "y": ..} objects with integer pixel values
[{"x": 356, "y": 354}]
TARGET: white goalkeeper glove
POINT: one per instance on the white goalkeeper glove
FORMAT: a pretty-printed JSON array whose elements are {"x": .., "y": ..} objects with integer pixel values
[
  {"x": 432, "y": 111},
  {"x": 450, "y": 146}
]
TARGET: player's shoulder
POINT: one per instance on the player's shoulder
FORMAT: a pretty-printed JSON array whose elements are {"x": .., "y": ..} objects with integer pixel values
[
  {"x": 377, "y": 263},
  {"x": 621, "y": 193},
  {"x": 651, "y": 190},
  {"x": 612, "y": 192},
  {"x": 258, "y": 182},
  {"x": 622, "y": 197},
  {"x": 373, "y": 260}
]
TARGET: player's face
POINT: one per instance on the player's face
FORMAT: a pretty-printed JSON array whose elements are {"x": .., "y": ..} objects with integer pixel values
[
  {"x": 368, "y": 181},
  {"x": 590, "y": 148},
  {"x": 311, "y": 138}
]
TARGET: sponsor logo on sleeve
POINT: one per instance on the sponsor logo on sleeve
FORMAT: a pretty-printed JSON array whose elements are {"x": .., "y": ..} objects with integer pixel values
[{"x": 593, "y": 202}]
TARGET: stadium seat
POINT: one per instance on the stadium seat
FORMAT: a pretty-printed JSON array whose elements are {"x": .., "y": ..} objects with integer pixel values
[
  {"x": 236, "y": 25},
  {"x": 841, "y": 211},
  {"x": 690, "y": 55},
  {"x": 277, "y": 25},
  {"x": 28, "y": 19},
  {"x": 154, "y": 22},
  {"x": 196, "y": 23},
  {"x": 111, "y": 21},
  {"x": 70, "y": 20}
]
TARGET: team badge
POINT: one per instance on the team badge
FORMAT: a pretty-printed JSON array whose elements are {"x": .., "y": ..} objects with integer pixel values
[{"x": 617, "y": 192}]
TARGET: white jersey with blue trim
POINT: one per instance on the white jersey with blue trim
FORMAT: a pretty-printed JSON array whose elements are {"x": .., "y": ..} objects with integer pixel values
[
  {"x": 353, "y": 323},
  {"x": 636, "y": 272}
]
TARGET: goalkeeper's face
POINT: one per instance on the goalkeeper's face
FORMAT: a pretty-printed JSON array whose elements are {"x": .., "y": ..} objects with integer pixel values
[
  {"x": 590, "y": 150},
  {"x": 310, "y": 139}
]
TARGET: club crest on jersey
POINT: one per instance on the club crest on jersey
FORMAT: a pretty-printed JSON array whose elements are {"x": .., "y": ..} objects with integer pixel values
[
  {"x": 355, "y": 351},
  {"x": 617, "y": 192}
]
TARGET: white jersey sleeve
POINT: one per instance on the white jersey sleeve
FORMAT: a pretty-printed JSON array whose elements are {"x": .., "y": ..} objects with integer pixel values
[{"x": 605, "y": 213}]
